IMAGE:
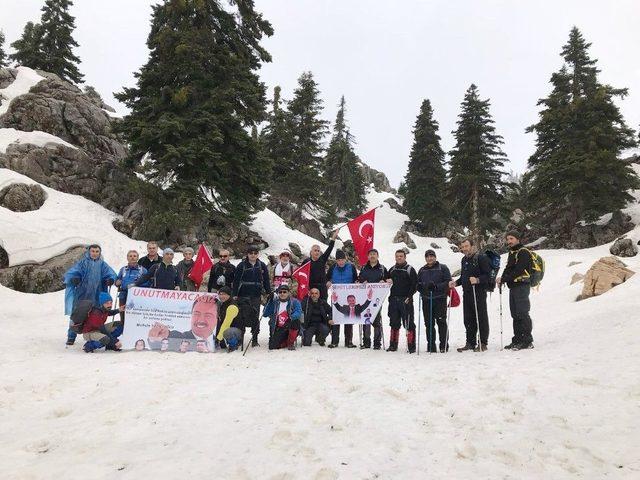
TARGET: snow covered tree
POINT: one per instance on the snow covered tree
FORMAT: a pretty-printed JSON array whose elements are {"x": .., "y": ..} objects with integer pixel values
[
  {"x": 28, "y": 47},
  {"x": 576, "y": 170},
  {"x": 3, "y": 55},
  {"x": 305, "y": 178},
  {"x": 475, "y": 176},
  {"x": 343, "y": 177},
  {"x": 425, "y": 180},
  {"x": 195, "y": 102}
]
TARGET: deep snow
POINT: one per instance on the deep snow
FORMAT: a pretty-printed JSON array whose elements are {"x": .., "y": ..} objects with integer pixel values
[{"x": 568, "y": 409}]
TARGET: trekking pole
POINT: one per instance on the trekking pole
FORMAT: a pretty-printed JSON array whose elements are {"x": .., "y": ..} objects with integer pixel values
[
  {"x": 246, "y": 349},
  {"x": 500, "y": 293},
  {"x": 475, "y": 305},
  {"x": 384, "y": 344},
  {"x": 432, "y": 330},
  {"x": 419, "y": 322}
]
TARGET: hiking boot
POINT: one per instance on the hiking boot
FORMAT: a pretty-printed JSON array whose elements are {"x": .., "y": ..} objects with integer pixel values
[
  {"x": 350, "y": 345},
  {"x": 71, "y": 341},
  {"x": 231, "y": 349},
  {"x": 481, "y": 348},
  {"x": 392, "y": 348},
  {"x": 412, "y": 349},
  {"x": 377, "y": 347},
  {"x": 321, "y": 344},
  {"x": 254, "y": 342},
  {"x": 510, "y": 346},
  {"x": 522, "y": 346},
  {"x": 362, "y": 347},
  {"x": 466, "y": 348},
  {"x": 444, "y": 349},
  {"x": 333, "y": 345},
  {"x": 292, "y": 346}
]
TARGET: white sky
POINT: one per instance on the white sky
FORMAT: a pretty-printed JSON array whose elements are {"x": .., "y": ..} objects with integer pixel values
[{"x": 386, "y": 57}]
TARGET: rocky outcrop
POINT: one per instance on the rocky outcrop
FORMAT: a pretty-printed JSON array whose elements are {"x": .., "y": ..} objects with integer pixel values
[
  {"x": 603, "y": 275},
  {"x": 20, "y": 197},
  {"x": 4, "y": 258},
  {"x": 622, "y": 247},
  {"x": 576, "y": 277},
  {"x": 393, "y": 203},
  {"x": 403, "y": 237},
  {"x": 378, "y": 179},
  {"x": 294, "y": 218},
  {"x": 41, "y": 277}
]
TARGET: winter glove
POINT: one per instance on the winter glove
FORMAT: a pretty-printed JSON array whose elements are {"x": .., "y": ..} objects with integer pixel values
[
  {"x": 76, "y": 281},
  {"x": 221, "y": 280},
  {"x": 431, "y": 286},
  {"x": 109, "y": 282}
]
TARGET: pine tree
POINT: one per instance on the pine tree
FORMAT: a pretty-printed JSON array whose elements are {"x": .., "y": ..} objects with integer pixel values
[
  {"x": 3, "y": 55},
  {"x": 278, "y": 142},
  {"x": 343, "y": 177},
  {"x": 305, "y": 180},
  {"x": 475, "y": 178},
  {"x": 425, "y": 181},
  {"x": 195, "y": 102},
  {"x": 28, "y": 47},
  {"x": 576, "y": 170}
]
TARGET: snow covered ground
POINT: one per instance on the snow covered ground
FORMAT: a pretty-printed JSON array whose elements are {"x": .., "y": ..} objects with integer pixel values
[{"x": 567, "y": 409}]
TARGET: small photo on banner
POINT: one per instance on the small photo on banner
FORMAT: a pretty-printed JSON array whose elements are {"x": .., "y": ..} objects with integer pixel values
[
  {"x": 170, "y": 321},
  {"x": 358, "y": 303}
]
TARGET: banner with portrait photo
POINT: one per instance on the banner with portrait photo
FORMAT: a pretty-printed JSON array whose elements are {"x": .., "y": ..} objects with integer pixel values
[
  {"x": 169, "y": 320},
  {"x": 358, "y": 302}
]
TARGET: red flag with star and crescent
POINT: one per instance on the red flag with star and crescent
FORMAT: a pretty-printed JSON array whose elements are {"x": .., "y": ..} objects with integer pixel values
[
  {"x": 301, "y": 274},
  {"x": 361, "y": 229},
  {"x": 201, "y": 265}
]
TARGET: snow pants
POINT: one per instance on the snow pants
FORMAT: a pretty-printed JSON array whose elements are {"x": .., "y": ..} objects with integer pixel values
[
  {"x": 470, "y": 320},
  {"x": 439, "y": 311},
  {"x": 520, "y": 305},
  {"x": 318, "y": 330}
]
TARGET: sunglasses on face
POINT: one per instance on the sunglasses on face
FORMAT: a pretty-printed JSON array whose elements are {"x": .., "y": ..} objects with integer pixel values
[{"x": 224, "y": 256}]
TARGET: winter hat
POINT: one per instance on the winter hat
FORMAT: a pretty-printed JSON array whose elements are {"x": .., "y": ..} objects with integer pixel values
[
  {"x": 512, "y": 233},
  {"x": 226, "y": 290},
  {"x": 283, "y": 288},
  {"x": 252, "y": 249},
  {"x": 168, "y": 250},
  {"x": 187, "y": 250},
  {"x": 104, "y": 297},
  {"x": 430, "y": 252},
  {"x": 340, "y": 255},
  {"x": 285, "y": 254}
]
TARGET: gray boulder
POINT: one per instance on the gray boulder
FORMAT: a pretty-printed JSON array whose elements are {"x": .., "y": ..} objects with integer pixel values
[
  {"x": 378, "y": 179},
  {"x": 403, "y": 237},
  {"x": 623, "y": 247},
  {"x": 20, "y": 197}
]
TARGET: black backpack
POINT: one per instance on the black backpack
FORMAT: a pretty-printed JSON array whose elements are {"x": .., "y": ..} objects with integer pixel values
[
  {"x": 494, "y": 262},
  {"x": 80, "y": 314}
]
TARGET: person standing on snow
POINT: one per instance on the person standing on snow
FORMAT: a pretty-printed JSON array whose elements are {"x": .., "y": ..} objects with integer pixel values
[
  {"x": 401, "y": 313},
  {"x": 128, "y": 275},
  {"x": 282, "y": 271},
  {"x": 342, "y": 272},
  {"x": 318, "y": 269},
  {"x": 250, "y": 280},
  {"x": 222, "y": 273},
  {"x": 433, "y": 286},
  {"x": 516, "y": 275},
  {"x": 475, "y": 271},
  {"x": 152, "y": 257},
  {"x": 184, "y": 268},
  {"x": 86, "y": 280},
  {"x": 163, "y": 275},
  {"x": 373, "y": 272}
]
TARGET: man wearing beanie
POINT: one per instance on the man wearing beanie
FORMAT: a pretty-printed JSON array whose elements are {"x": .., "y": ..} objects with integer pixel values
[
  {"x": 517, "y": 276},
  {"x": 342, "y": 272},
  {"x": 433, "y": 286}
]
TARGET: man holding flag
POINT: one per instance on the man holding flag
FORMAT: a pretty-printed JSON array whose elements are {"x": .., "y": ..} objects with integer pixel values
[
  {"x": 361, "y": 229},
  {"x": 318, "y": 266},
  {"x": 201, "y": 264}
]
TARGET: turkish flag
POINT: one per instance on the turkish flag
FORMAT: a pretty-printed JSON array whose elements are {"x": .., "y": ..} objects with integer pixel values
[
  {"x": 301, "y": 274},
  {"x": 201, "y": 265},
  {"x": 454, "y": 301},
  {"x": 361, "y": 230}
]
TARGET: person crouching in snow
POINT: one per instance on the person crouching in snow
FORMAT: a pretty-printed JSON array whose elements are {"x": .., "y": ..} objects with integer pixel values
[
  {"x": 96, "y": 332},
  {"x": 284, "y": 314},
  {"x": 231, "y": 326}
]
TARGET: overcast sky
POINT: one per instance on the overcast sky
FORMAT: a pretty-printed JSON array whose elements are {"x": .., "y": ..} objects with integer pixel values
[{"x": 386, "y": 57}]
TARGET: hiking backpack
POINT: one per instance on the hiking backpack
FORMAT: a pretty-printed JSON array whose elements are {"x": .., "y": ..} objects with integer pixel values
[
  {"x": 494, "y": 260},
  {"x": 537, "y": 268},
  {"x": 80, "y": 314}
]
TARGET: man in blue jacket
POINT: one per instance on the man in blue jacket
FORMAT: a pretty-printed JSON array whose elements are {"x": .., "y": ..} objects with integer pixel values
[
  {"x": 474, "y": 277},
  {"x": 128, "y": 275},
  {"x": 250, "y": 280},
  {"x": 342, "y": 272},
  {"x": 284, "y": 314},
  {"x": 433, "y": 286}
]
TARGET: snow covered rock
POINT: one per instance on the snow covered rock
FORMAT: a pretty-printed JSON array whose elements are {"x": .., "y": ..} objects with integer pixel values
[
  {"x": 603, "y": 275},
  {"x": 576, "y": 277},
  {"x": 403, "y": 237},
  {"x": 378, "y": 179},
  {"x": 20, "y": 197},
  {"x": 393, "y": 203},
  {"x": 623, "y": 247}
]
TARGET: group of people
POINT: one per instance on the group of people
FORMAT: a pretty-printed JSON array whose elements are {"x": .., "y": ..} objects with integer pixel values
[{"x": 244, "y": 288}]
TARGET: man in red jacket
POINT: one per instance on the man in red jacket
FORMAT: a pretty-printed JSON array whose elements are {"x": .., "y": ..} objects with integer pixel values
[{"x": 96, "y": 332}]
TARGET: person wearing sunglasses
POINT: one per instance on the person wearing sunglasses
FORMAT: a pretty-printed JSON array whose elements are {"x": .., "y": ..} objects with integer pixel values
[{"x": 222, "y": 273}]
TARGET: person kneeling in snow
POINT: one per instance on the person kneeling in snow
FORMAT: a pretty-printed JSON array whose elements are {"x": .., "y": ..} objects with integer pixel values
[
  {"x": 96, "y": 332},
  {"x": 232, "y": 326},
  {"x": 284, "y": 314},
  {"x": 317, "y": 318}
]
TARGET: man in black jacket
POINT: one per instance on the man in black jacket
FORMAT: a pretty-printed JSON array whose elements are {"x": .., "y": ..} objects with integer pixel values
[
  {"x": 250, "y": 280},
  {"x": 401, "y": 313},
  {"x": 318, "y": 269},
  {"x": 152, "y": 257},
  {"x": 317, "y": 318},
  {"x": 517, "y": 276},
  {"x": 373, "y": 272},
  {"x": 433, "y": 286},
  {"x": 162, "y": 275},
  {"x": 222, "y": 273},
  {"x": 475, "y": 272}
]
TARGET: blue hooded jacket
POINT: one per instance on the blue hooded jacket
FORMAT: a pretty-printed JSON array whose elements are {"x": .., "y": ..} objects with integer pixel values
[{"x": 93, "y": 275}]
